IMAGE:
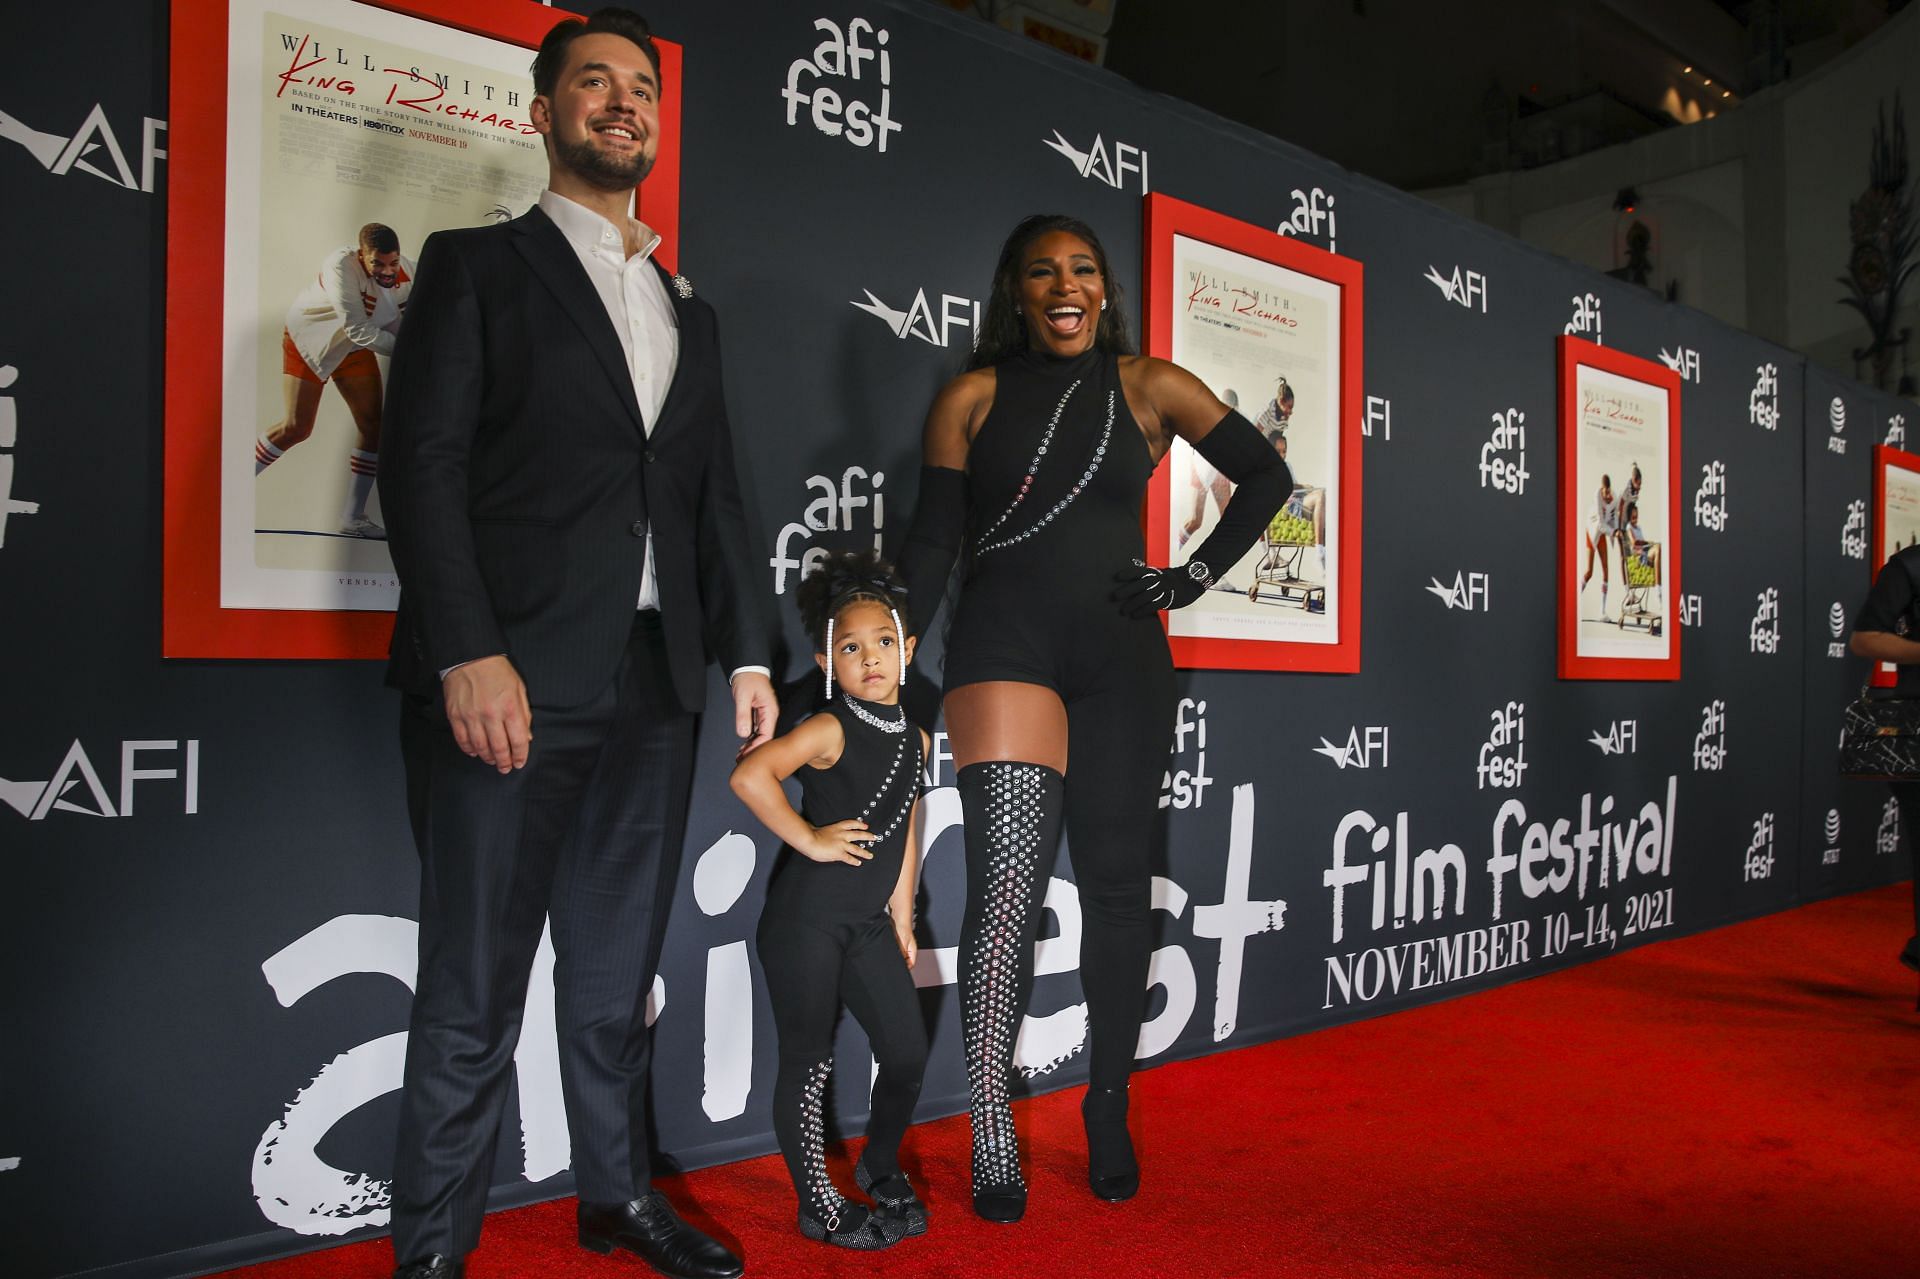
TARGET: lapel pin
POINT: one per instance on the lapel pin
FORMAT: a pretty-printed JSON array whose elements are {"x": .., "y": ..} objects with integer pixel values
[{"x": 683, "y": 286}]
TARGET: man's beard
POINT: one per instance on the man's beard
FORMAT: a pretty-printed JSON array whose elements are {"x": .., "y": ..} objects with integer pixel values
[{"x": 600, "y": 168}]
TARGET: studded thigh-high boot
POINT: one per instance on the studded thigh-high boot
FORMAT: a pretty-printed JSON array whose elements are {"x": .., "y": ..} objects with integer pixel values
[{"x": 1013, "y": 812}]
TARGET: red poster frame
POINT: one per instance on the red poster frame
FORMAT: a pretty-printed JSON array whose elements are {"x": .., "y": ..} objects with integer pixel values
[
  {"x": 1167, "y": 217},
  {"x": 1574, "y": 352},
  {"x": 1885, "y": 458},
  {"x": 193, "y": 622}
]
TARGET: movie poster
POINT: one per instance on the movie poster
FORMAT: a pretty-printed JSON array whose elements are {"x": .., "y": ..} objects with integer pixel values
[
  {"x": 1623, "y": 522},
  {"x": 1902, "y": 518},
  {"x": 352, "y": 133},
  {"x": 1266, "y": 340}
]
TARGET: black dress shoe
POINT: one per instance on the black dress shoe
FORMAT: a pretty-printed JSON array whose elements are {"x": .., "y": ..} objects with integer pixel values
[
  {"x": 857, "y": 1228},
  {"x": 1113, "y": 1174},
  {"x": 651, "y": 1230},
  {"x": 433, "y": 1266}
]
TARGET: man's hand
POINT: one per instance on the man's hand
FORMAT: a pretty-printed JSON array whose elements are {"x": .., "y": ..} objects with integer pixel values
[
  {"x": 754, "y": 709},
  {"x": 488, "y": 712}
]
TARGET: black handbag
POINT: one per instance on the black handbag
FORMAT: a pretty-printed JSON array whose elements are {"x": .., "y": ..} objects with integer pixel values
[{"x": 1880, "y": 736}]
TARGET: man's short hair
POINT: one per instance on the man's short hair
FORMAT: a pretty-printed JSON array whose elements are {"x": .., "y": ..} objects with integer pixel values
[
  {"x": 552, "y": 57},
  {"x": 377, "y": 237}
]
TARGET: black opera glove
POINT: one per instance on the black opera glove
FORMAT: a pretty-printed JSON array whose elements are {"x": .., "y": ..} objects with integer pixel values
[
  {"x": 932, "y": 543},
  {"x": 1144, "y": 590}
]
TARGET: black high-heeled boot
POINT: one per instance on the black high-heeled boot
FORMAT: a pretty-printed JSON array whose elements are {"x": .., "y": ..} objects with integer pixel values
[{"x": 1113, "y": 1173}]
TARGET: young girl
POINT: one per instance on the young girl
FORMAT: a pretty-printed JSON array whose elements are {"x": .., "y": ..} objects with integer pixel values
[{"x": 838, "y": 924}]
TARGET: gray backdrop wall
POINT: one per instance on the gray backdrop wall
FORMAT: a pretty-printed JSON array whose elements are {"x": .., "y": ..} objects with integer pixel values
[{"x": 208, "y": 973}]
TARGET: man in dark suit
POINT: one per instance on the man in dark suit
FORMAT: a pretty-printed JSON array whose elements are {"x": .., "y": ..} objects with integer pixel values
[{"x": 558, "y": 480}]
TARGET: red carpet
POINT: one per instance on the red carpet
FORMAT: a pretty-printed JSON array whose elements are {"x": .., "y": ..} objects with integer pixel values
[{"x": 1745, "y": 1102}]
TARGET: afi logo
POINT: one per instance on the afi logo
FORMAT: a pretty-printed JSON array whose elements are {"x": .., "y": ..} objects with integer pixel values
[
  {"x": 1831, "y": 857},
  {"x": 1462, "y": 288},
  {"x": 1887, "y": 838},
  {"x": 1096, "y": 163},
  {"x": 1379, "y": 413},
  {"x": 1837, "y": 417},
  {"x": 1503, "y": 756},
  {"x": 831, "y": 512},
  {"x": 1469, "y": 592},
  {"x": 1683, "y": 360},
  {"x": 1763, "y": 634},
  {"x": 1853, "y": 538},
  {"x": 920, "y": 320},
  {"x": 1710, "y": 499},
  {"x": 1363, "y": 746},
  {"x": 1763, "y": 402},
  {"x": 1710, "y": 743},
  {"x": 839, "y": 57},
  {"x": 1509, "y": 475},
  {"x": 1187, "y": 787},
  {"x": 1586, "y": 317},
  {"x": 1312, "y": 215},
  {"x": 1897, "y": 431},
  {"x": 63, "y": 155},
  {"x": 9, "y": 435},
  {"x": 1689, "y": 610},
  {"x": 1837, "y": 624},
  {"x": 76, "y": 787},
  {"x": 1758, "y": 863},
  {"x": 1622, "y": 738}
]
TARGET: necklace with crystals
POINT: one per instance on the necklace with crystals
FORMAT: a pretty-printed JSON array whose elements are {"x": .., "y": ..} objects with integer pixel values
[
  {"x": 860, "y": 710},
  {"x": 897, "y": 727},
  {"x": 982, "y": 545}
]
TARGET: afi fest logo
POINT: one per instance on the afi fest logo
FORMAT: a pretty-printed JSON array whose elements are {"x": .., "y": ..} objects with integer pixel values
[
  {"x": 1710, "y": 743},
  {"x": 1096, "y": 162},
  {"x": 1586, "y": 318},
  {"x": 1463, "y": 288},
  {"x": 1853, "y": 538},
  {"x": 1503, "y": 756},
  {"x": 1758, "y": 863},
  {"x": 1710, "y": 499},
  {"x": 1897, "y": 431},
  {"x": 1503, "y": 458},
  {"x": 82, "y": 152},
  {"x": 1313, "y": 215},
  {"x": 1763, "y": 402},
  {"x": 833, "y": 511},
  {"x": 1837, "y": 625},
  {"x": 1468, "y": 591},
  {"x": 1837, "y": 416},
  {"x": 1887, "y": 838},
  {"x": 922, "y": 320},
  {"x": 1621, "y": 738},
  {"x": 839, "y": 83},
  {"x": 1763, "y": 633},
  {"x": 1690, "y": 610},
  {"x": 76, "y": 787},
  {"x": 1363, "y": 747},
  {"x": 9, "y": 436},
  {"x": 1683, "y": 360},
  {"x": 1187, "y": 787},
  {"x": 1379, "y": 413},
  {"x": 1831, "y": 855}
]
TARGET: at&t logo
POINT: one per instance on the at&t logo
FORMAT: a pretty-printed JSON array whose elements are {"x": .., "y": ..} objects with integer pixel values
[
  {"x": 1837, "y": 417},
  {"x": 1503, "y": 756},
  {"x": 1853, "y": 537},
  {"x": 9, "y": 435},
  {"x": 1313, "y": 215},
  {"x": 1758, "y": 863},
  {"x": 839, "y": 57},
  {"x": 1887, "y": 838},
  {"x": 1098, "y": 163},
  {"x": 75, "y": 786},
  {"x": 1710, "y": 499},
  {"x": 1187, "y": 787},
  {"x": 1379, "y": 413},
  {"x": 1683, "y": 360},
  {"x": 1831, "y": 857},
  {"x": 1710, "y": 743},
  {"x": 1621, "y": 738},
  {"x": 1364, "y": 748},
  {"x": 63, "y": 155},
  {"x": 1690, "y": 610},
  {"x": 1897, "y": 431},
  {"x": 831, "y": 512},
  {"x": 1763, "y": 402},
  {"x": 1463, "y": 288},
  {"x": 1763, "y": 633},
  {"x": 1837, "y": 624},
  {"x": 1586, "y": 317},
  {"x": 921, "y": 320},
  {"x": 1468, "y": 591},
  {"x": 1503, "y": 458}
]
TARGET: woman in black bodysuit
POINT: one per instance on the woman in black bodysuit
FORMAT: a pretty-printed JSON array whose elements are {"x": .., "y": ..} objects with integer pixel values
[{"x": 1036, "y": 461}]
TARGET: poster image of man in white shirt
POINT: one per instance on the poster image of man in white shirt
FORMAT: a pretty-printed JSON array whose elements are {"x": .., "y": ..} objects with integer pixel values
[{"x": 347, "y": 315}]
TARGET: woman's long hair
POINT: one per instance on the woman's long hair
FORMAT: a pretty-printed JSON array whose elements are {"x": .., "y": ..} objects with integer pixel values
[{"x": 1004, "y": 332}]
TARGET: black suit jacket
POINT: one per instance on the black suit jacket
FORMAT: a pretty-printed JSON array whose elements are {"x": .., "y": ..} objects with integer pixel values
[{"x": 516, "y": 480}]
